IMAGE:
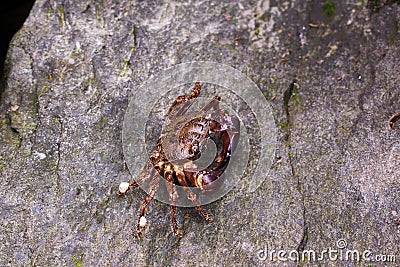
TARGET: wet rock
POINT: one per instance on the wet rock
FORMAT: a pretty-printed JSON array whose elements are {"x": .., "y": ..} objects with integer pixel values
[{"x": 329, "y": 72}]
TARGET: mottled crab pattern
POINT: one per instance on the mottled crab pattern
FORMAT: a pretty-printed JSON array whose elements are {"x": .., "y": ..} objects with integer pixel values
[{"x": 181, "y": 143}]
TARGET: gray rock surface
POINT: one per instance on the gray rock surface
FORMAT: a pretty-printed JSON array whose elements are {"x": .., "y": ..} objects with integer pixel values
[{"x": 329, "y": 69}]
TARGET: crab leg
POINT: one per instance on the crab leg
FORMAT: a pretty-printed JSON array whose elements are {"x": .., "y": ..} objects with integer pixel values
[
  {"x": 146, "y": 173},
  {"x": 184, "y": 99},
  {"x": 173, "y": 196},
  {"x": 154, "y": 183},
  {"x": 192, "y": 196},
  {"x": 393, "y": 120}
]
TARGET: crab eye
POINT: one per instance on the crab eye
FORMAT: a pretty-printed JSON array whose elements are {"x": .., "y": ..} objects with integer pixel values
[{"x": 195, "y": 149}]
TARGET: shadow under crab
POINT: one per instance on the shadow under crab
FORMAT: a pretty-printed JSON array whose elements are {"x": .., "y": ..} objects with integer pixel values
[{"x": 181, "y": 143}]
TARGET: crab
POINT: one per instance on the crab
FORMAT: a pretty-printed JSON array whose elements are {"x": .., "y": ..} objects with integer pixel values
[{"x": 180, "y": 144}]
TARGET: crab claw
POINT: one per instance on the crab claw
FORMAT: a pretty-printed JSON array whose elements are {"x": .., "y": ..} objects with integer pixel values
[
  {"x": 209, "y": 180},
  {"x": 123, "y": 187},
  {"x": 142, "y": 221}
]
